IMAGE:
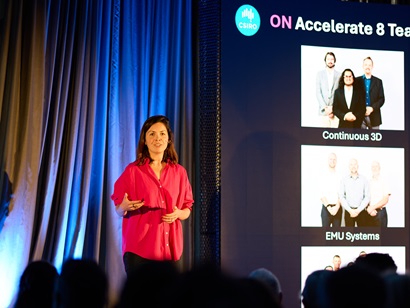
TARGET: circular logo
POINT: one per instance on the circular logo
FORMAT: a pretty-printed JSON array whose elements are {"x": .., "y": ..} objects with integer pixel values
[{"x": 247, "y": 20}]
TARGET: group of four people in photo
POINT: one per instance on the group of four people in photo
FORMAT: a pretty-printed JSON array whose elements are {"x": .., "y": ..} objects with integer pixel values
[{"x": 346, "y": 101}]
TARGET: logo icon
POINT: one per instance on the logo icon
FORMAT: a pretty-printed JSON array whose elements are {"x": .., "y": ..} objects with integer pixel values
[{"x": 247, "y": 20}]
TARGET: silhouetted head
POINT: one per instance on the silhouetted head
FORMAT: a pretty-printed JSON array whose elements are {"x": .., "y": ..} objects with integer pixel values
[
  {"x": 82, "y": 283},
  {"x": 267, "y": 277},
  {"x": 382, "y": 263},
  {"x": 354, "y": 287},
  {"x": 36, "y": 286},
  {"x": 313, "y": 291}
]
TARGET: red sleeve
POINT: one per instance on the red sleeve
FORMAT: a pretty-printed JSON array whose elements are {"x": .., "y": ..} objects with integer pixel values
[{"x": 121, "y": 187}]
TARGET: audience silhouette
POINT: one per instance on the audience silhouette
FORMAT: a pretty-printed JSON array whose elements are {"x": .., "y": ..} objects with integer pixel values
[
  {"x": 207, "y": 285},
  {"x": 313, "y": 291},
  {"x": 36, "y": 285},
  {"x": 381, "y": 263},
  {"x": 272, "y": 282},
  {"x": 398, "y": 290},
  {"x": 82, "y": 284},
  {"x": 354, "y": 286},
  {"x": 370, "y": 281},
  {"x": 150, "y": 279}
]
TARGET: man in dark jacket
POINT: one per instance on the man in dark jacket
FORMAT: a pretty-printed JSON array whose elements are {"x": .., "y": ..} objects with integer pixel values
[{"x": 374, "y": 93}]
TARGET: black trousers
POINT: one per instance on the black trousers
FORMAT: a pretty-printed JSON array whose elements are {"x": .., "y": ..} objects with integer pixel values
[
  {"x": 132, "y": 261},
  {"x": 328, "y": 220},
  {"x": 380, "y": 220},
  {"x": 362, "y": 220}
]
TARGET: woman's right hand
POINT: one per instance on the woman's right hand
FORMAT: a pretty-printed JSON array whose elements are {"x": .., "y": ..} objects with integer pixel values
[{"x": 128, "y": 205}]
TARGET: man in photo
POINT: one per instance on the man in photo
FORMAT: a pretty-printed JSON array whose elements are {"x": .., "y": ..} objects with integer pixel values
[
  {"x": 379, "y": 197},
  {"x": 374, "y": 92},
  {"x": 326, "y": 83},
  {"x": 337, "y": 262},
  {"x": 354, "y": 196},
  {"x": 331, "y": 213}
]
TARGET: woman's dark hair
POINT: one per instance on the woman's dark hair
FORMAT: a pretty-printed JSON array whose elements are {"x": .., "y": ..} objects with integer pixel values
[
  {"x": 170, "y": 154},
  {"x": 341, "y": 79}
]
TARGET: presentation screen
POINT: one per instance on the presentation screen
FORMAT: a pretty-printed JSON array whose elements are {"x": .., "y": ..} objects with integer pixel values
[{"x": 315, "y": 136}]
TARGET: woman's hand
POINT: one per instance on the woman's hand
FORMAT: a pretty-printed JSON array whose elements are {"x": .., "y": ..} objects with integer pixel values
[
  {"x": 176, "y": 214},
  {"x": 171, "y": 217},
  {"x": 128, "y": 205}
]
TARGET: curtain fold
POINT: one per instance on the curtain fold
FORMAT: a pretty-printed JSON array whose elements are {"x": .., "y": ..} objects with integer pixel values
[{"x": 77, "y": 80}]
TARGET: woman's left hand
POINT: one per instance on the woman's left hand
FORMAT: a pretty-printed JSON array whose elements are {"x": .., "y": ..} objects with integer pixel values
[{"x": 171, "y": 217}]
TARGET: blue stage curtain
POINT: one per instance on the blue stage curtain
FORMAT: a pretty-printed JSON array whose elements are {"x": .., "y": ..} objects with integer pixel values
[{"x": 77, "y": 80}]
